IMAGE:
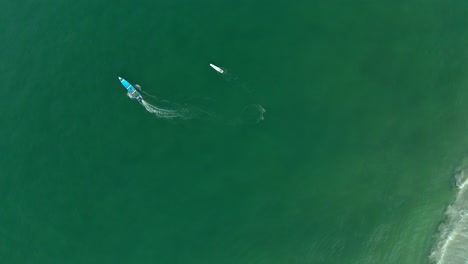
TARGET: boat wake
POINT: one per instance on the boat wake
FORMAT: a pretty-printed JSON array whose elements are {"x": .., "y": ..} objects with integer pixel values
[
  {"x": 242, "y": 110},
  {"x": 452, "y": 244},
  {"x": 164, "y": 113},
  {"x": 141, "y": 90},
  {"x": 168, "y": 110},
  {"x": 251, "y": 112},
  {"x": 234, "y": 81}
]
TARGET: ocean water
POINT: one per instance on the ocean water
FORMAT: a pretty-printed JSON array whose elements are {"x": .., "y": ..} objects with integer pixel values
[{"x": 338, "y": 133}]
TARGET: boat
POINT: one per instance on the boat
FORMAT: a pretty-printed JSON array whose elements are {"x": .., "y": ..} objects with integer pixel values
[
  {"x": 131, "y": 90},
  {"x": 216, "y": 68}
]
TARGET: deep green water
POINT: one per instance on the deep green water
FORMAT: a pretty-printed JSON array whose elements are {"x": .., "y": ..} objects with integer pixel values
[{"x": 366, "y": 118}]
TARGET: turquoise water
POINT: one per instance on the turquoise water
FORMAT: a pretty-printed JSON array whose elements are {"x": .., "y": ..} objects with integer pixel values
[{"x": 353, "y": 160}]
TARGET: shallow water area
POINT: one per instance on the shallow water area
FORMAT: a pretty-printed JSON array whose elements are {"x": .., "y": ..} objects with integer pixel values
[{"x": 453, "y": 232}]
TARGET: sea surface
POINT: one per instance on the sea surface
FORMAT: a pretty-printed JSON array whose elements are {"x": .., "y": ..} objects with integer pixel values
[{"x": 338, "y": 132}]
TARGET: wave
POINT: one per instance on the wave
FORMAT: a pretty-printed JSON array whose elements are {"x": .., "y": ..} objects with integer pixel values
[
  {"x": 253, "y": 114},
  {"x": 168, "y": 110},
  {"x": 250, "y": 114},
  {"x": 452, "y": 244}
]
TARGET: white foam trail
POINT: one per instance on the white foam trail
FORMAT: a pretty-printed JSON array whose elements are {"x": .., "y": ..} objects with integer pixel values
[
  {"x": 129, "y": 95},
  {"x": 141, "y": 90},
  {"x": 261, "y": 111},
  {"x": 253, "y": 113},
  {"x": 165, "y": 113},
  {"x": 150, "y": 95},
  {"x": 461, "y": 180},
  {"x": 452, "y": 246},
  {"x": 176, "y": 111}
]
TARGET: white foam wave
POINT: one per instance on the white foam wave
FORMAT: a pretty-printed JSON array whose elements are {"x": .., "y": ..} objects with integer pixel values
[
  {"x": 452, "y": 245},
  {"x": 174, "y": 111},
  {"x": 461, "y": 180},
  {"x": 165, "y": 113},
  {"x": 146, "y": 93},
  {"x": 253, "y": 113}
]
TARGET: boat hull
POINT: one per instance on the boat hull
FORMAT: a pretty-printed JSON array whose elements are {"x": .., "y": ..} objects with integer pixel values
[{"x": 131, "y": 90}]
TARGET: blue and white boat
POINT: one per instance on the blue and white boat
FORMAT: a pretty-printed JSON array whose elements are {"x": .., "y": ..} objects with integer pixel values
[{"x": 131, "y": 90}]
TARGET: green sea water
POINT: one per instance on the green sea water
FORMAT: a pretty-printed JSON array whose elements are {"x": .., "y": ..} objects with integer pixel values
[{"x": 352, "y": 161}]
